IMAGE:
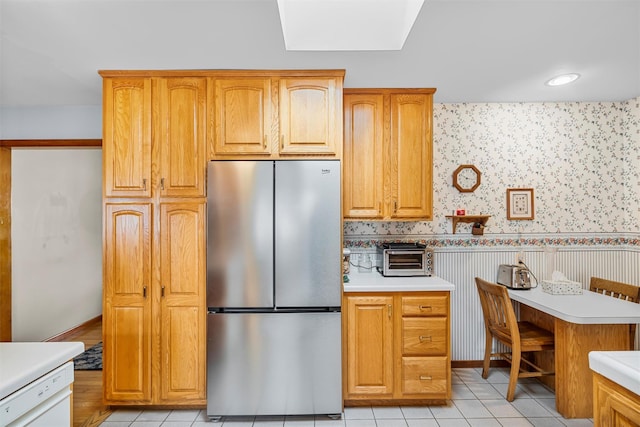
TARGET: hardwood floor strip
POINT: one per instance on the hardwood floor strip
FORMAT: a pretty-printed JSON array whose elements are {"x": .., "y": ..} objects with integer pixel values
[
  {"x": 96, "y": 418},
  {"x": 88, "y": 407}
]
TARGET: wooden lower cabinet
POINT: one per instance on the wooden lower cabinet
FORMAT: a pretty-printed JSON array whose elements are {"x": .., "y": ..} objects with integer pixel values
[
  {"x": 397, "y": 347},
  {"x": 614, "y": 405},
  {"x": 369, "y": 345},
  {"x": 154, "y": 326},
  {"x": 127, "y": 303}
]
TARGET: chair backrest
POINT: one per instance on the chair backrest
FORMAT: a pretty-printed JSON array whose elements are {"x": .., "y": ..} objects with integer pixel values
[
  {"x": 618, "y": 290},
  {"x": 499, "y": 316}
]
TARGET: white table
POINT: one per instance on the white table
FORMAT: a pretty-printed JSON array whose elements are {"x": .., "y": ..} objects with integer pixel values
[
  {"x": 589, "y": 308},
  {"x": 580, "y": 323}
]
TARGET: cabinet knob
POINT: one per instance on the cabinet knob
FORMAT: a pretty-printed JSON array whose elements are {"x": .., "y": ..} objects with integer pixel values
[
  {"x": 390, "y": 310},
  {"x": 162, "y": 291},
  {"x": 144, "y": 292},
  {"x": 265, "y": 142},
  {"x": 425, "y": 378},
  {"x": 144, "y": 184},
  {"x": 424, "y": 338},
  {"x": 426, "y": 307},
  {"x": 162, "y": 183}
]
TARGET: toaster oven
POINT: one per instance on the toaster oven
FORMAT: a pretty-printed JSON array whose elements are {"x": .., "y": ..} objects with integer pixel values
[{"x": 405, "y": 259}]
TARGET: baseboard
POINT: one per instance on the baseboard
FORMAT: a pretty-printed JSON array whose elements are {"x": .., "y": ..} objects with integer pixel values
[
  {"x": 477, "y": 363},
  {"x": 64, "y": 336}
]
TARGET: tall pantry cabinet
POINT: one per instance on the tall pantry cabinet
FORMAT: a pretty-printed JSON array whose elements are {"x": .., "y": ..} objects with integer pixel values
[
  {"x": 154, "y": 308},
  {"x": 160, "y": 128}
]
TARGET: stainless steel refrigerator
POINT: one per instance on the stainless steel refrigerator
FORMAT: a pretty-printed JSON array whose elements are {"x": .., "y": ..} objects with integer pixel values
[{"x": 274, "y": 288}]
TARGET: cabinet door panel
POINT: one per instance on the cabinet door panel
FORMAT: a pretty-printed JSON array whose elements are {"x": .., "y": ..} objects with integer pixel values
[
  {"x": 182, "y": 301},
  {"x": 127, "y": 137},
  {"x": 363, "y": 156},
  {"x": 181, "y": 135},
  {"x": 614, "y": 405},
  {"x": 243, "y": 120},
  {"x": 370, "y": 345},
  {"x": 310, "y": 116},
  {"x": 411, "y": 156},
  {"x": 127, "y": 303}
]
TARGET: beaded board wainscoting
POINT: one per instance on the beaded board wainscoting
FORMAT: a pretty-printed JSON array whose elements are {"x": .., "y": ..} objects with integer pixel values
[{"x": 460, "y": 260}]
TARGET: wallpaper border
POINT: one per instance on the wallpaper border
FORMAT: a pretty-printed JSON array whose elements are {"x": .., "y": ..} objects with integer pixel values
[{"x": 595, "y": 241}]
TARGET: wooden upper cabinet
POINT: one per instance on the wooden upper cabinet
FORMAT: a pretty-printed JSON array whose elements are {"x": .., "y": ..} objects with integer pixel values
[
  {"x": 388, "y": 154},
  {"x": 243, "y": 116},
  {"x": 180, "y": 132},
  {"x": 311, "y": 116},
  {"x": 126, "y": 149},
  {"x": 411, "y": 156},
  {"x": 177, "y": 151},
  {"x": 363, "y": 179}
]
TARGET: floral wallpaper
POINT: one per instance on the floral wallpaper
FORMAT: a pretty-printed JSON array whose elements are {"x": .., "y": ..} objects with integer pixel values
[{"x": 582, "y": 160}]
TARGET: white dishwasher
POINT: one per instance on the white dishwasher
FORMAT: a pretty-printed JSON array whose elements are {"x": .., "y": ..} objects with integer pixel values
[{"x": 45, "y": 402}]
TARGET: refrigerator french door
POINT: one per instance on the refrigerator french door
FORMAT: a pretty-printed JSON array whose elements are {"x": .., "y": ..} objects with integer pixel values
[{"x": 274, "y": 288}]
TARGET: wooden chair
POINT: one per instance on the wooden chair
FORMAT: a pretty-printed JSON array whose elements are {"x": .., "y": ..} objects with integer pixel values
[
  {"x": 618, "y": 290},
  {"x": 522, "y": 337}
]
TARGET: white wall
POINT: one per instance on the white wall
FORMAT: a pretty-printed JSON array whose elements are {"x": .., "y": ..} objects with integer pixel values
[
  {"x": 51, "y": 122},
  {"x": 56, "y": 237}
]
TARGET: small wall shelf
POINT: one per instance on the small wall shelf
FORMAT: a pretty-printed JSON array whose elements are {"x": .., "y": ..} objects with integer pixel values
[{"x": 482, "y": 219}]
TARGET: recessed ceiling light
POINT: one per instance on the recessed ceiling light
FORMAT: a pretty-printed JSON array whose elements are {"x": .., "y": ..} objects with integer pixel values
[{"x": 563, "y": 79}]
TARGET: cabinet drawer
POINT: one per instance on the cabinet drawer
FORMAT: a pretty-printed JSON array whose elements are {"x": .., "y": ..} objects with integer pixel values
[
  {"x": 432, "y": 305},
  {"x": 425, "y": 375},
  {"x": 424, "y": 337}
]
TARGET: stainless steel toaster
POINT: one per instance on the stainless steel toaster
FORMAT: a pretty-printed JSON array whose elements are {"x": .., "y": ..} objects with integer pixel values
[{"x": 514, "y": 276}]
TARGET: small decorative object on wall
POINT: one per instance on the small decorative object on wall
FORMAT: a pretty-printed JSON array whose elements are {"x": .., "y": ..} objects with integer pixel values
[
  {"x": 519, "y": 203},
  {"x": 466, "y": 178}
]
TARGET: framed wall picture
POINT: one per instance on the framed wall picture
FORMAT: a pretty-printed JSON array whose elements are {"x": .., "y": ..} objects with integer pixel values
[{"x": 520, "y": 203}]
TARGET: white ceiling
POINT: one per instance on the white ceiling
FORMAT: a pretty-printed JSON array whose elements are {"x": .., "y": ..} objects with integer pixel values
[{"x": 470, "y": 50}]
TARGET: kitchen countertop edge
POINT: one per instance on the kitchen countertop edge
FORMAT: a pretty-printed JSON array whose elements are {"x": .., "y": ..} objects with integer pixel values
[
  {"x": 621, "y": 367},
  {"x": 25, "y": 362},
  {"x": 375, "y": 282}
]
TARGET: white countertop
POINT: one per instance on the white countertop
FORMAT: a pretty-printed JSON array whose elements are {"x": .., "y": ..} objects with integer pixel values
[
  {"x": 587, "y": 308},
  {"x": 376, "y": 282},
  {"x": 24, "y": 362},
  {"x": 621, "y": 367}
]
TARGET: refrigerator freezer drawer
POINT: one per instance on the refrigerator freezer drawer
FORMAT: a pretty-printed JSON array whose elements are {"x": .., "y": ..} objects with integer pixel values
[{"x": 274, "y": 364}]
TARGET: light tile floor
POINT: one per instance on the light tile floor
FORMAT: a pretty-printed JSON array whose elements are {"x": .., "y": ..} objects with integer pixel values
[{"x": 475, "y": 402}]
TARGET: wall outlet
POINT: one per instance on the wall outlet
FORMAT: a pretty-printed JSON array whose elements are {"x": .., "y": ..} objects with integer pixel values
[{"x": 519, "y": 258}]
